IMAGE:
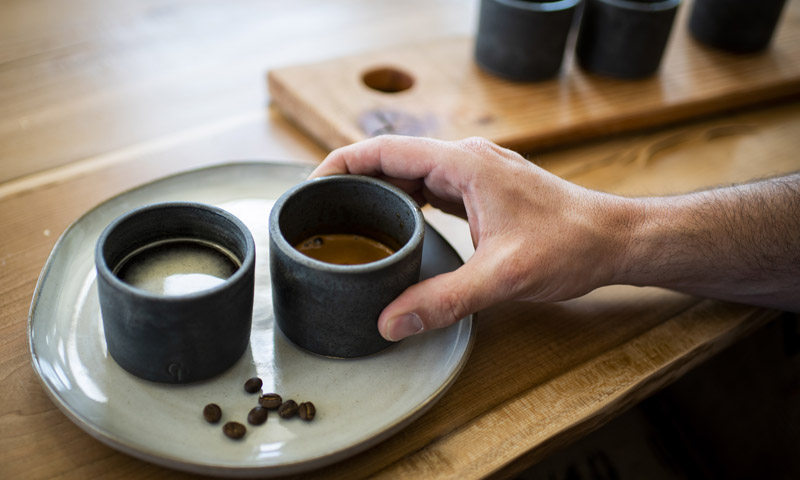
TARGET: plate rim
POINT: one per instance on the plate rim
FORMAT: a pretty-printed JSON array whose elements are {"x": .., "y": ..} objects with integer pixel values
[{"x": 170, "y": 461}]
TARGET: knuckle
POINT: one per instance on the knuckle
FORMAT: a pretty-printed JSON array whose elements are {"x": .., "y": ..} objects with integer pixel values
[
  {"x": 482, "y": 148},
  {"x": 454, "y": 307},
  {"x": 478, "y": 145},
  {"x": 384, "y": 141}
]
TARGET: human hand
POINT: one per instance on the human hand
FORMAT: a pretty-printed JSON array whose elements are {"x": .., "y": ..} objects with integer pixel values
[{"x": 537, "y": 237}]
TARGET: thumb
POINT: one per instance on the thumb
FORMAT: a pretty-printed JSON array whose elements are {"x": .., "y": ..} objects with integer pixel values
[{"x": 437, "y": 302}]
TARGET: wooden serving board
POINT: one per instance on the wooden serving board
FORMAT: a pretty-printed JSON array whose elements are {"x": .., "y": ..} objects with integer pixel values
[{"x": 452, "y": 98}]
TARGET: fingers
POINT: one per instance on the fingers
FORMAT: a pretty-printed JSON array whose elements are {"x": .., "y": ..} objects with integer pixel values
[
  {"x": 445, "y": 167},
  {"x": 390, "y": 155},
  {"x": 432, "y": 171},
  {"x": 438, "y": 302},
  {"x": 468, "y": 178}
]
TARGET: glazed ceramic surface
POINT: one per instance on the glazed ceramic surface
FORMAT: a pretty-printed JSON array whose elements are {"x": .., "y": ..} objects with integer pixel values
[{"x": 359, "y": 402}]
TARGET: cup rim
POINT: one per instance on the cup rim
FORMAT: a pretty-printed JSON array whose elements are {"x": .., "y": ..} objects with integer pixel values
[
  {"x": 538, "y": 6},
  {"x": 641, "y": 5},
  {"x": 280, "y": 241},
  {"x": 103, "y": 269}
]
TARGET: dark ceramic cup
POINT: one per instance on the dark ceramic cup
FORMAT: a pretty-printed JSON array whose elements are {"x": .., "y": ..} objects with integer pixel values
[
  {"x": 624, "y": 38},
  {"x": 175, "y": 283},
  {"x": 332, "y": 309},
  {"x": 523, "y": 40},
  {"x": 738, "y": 26}
]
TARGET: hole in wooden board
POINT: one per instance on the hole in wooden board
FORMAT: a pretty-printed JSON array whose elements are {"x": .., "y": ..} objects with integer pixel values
[{"x": 388, "y": 80}]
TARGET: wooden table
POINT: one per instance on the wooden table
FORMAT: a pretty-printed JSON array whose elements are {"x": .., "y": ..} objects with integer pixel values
[{"x": 97, "y": 97}]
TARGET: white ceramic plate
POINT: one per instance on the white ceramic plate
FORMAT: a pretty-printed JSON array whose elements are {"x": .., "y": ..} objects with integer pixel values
[{"x": 359, "y": 402}]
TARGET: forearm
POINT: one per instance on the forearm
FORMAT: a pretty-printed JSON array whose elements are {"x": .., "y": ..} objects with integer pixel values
[{"x": 739, "y": 243}]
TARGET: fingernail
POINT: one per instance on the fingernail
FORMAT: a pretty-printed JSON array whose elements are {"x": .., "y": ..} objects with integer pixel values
[{"x": 404, "y": 326}]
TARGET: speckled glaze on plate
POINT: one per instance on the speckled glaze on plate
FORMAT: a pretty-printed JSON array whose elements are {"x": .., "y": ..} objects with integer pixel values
[{"x": 359, "y": 402}]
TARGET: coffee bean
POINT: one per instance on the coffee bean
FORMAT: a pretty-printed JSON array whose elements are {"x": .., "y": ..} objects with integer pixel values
[
  {"x": 212, "y": 413},
  {"x": 306, "y": 411},
  {"x": 257, "y": 416},
  {"x": 234, "y": 430},
  {"x": 252, "y": 385},
  {"x": 270, "y": 401},
  {"x": 288, "y": 409}
]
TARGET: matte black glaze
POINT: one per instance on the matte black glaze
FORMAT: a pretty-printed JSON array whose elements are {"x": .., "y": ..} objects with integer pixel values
[
  {"x": 523, "y": 40},
  {"x": 624, "y": 38},
  {"x": 180, "y": 338},
  {"x": 330, "y": 309},
  {"x": 739, "y": 26}
]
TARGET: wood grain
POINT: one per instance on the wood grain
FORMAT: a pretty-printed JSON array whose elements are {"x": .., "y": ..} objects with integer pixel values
[
  {"x": 105, "y": 117},
  {"x": 83, "y": 79},
  {"x": 539, "y": 420},
  {"x": 451, "y": 98}
]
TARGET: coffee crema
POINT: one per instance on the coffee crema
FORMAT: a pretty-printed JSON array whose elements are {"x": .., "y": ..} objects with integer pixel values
[
  {"x": 177, "y": 267},
  {"x": 344, "y": 248}
]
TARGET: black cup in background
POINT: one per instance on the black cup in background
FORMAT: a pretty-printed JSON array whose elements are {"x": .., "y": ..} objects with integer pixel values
[
  {"x": 624, "y": 38},
  {"x": 175, "y": 338},
  {"x": 523, "y": 40},
  {"x": 738, "y": 26}
]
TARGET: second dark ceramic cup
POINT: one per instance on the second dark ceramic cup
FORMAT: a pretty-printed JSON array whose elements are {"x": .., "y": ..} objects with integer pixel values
[
  {"x": 523, "y": 40},
  {"x": 332, "y": 309},
  {"x": 624, "y": 38}
]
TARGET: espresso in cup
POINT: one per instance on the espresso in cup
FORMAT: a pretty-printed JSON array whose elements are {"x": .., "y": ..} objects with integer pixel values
[{"x": 344, "y": 248}]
